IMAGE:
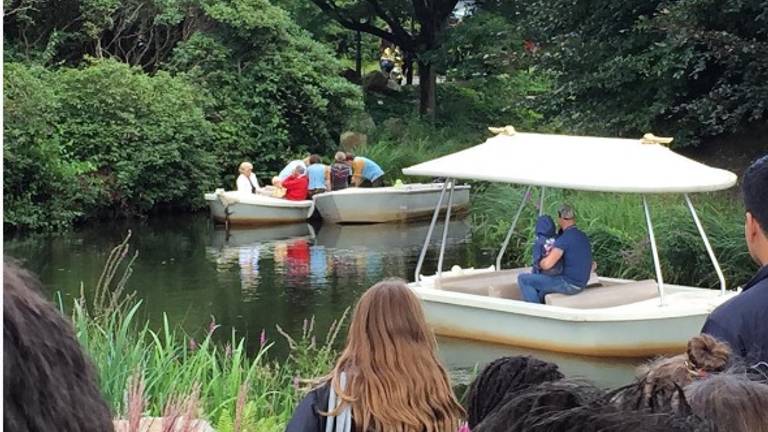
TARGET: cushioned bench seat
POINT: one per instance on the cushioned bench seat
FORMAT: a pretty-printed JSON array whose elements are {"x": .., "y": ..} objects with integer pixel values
[
  {"x": 500, "y": 284},
  {"x": 606, "y": 296}
]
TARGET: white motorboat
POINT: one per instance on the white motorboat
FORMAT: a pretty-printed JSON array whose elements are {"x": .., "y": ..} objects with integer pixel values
[
  {"x": 240, "y": 208},
  {"x": 611, "y": 317},
  {"x": 387, "y": 204}
]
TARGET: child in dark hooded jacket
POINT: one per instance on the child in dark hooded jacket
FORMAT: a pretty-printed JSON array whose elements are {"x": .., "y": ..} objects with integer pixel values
[{"x": 545, "y": 240}]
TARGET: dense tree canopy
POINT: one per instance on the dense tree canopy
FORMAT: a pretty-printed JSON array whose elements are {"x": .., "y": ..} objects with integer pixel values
[
  {"x": 692, "y": 69},
  {"x": 413, "y": 25},
  {"x": 103, "y": 129}
]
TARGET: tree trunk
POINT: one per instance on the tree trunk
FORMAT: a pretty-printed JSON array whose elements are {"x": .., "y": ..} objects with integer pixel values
[
  {"x": 358, "y": 56},
  {"x": 427, "y": 90},
  {"x": 408, "y": 68}
]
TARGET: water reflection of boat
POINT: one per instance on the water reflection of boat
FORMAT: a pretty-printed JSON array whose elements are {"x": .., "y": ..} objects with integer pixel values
[
  {"x": 387, "y": 236},
  {"x": 245, "y": 236},
  {"x": 242, "y": 245},
  {"x": 464, "y": 355}
]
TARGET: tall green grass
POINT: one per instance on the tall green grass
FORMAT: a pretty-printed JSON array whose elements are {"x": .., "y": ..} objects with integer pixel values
[
  {"x": 616, "y": 226},
  {"x": 173, "y": 365}
]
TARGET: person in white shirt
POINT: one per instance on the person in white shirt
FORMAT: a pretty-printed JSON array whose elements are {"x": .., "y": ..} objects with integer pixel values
[
  {"x": 246, "y": 181},
  {"x": 289, "y": 169}
]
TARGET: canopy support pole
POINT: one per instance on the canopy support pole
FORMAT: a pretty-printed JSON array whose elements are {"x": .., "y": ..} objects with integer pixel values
[
  {"x": 710, "y": 252},
  {"x": 541, "y": 200},
  {"x": 424, "y": 248},
  {"x": 512, "y": 228},
  {"x": 655, "y": 252},
  {"x": 445, "y": 231}
]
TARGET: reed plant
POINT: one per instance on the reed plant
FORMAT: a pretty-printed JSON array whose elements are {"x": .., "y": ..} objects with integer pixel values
[{"x": 149, "y": 372}]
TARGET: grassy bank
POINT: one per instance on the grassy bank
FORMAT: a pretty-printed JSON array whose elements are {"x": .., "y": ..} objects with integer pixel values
[{"x": 160, "y": 368}]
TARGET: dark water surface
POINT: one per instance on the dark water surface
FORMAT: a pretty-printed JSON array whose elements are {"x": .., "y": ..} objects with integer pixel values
[{"x": 259, "y": 278}]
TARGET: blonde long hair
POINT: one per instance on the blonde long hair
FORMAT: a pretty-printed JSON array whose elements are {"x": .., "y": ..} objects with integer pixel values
[{"x": 395, "y": 381}]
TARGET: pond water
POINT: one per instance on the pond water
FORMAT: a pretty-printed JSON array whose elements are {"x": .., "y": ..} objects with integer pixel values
[{"x": 255, "y": 279}]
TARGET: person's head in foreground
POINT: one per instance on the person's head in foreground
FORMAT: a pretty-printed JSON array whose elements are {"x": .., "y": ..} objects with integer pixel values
[
  {"x": 570, "y": 406},
  {"x": 314, "y": 159},
  {"x": 246, "y": 168},
  {"x": 395, "y": 380},
  {"x": 755, "y": 191},
  {"x": 731, "y": 401},
  {"x": 502, "y": 377},
  {"x": 661, "y": 382},
  {"x": 299, "y": 171},
  {"x": 48, "y": 382},
  {"x": 340, "y": 156},
  {"x": 350, "y": 157}
]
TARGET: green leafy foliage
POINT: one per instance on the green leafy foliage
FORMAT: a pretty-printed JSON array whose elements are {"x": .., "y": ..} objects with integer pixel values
[
  {"x": 100, "y": 139},
  {"x": 44, "y": 187},
  {"x": 691, "y": 69},
  {"x": 146, "y": 136},
  {"x": 482, "y": 45},
  {"x": 107, "y": 139},
  {"x": 271, "y": 92}
]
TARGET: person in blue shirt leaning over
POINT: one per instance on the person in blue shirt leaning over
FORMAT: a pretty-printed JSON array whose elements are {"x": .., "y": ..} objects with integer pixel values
[
  {"x": 365, "y": 172},
  {"x": 573, "y": 251},
  {"x": 741, "y": 321}
]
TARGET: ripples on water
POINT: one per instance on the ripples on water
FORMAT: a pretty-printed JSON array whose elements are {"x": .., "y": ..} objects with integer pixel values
[{"x": 256, "y": 278}]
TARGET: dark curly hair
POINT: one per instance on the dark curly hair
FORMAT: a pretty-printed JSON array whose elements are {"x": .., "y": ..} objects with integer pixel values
[
  {"x": 571, "y": 406},
  {"x": 502, "y": 377},
  {"x": 49, "y": 384}
]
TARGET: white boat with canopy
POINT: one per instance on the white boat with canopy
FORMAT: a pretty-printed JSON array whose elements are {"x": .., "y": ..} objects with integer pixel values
[
  {"x": 386, "y": 204},
  {"x": 611, "y": 317}
]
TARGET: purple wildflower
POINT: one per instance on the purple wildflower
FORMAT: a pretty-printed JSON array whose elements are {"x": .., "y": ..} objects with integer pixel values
[
  {"x": 192, "y": 344},
  {"x": 263, "y": 338},
  {"x": 212, "y": 326},
  {"x": 228, "y": 350}
]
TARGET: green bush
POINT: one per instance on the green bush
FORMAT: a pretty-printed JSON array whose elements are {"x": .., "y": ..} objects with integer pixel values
[
  {"x": 44, "y": 187},
  {"x": 271, "y": 92},
  {"x": 100, "y": 139},
  {"x": 146, "y": 135}
]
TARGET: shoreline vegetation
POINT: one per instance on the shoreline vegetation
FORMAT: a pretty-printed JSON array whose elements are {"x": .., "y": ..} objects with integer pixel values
[
  {"x": 149, "y": 372},
  {"x": 146, "y": 372}
]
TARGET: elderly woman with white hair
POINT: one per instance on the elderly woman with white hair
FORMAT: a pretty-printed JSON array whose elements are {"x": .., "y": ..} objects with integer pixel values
[{"x": 246, "y": 181}]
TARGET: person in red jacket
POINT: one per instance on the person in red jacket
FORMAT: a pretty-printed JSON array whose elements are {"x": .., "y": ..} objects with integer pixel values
[{"x": 296, "y": 185}]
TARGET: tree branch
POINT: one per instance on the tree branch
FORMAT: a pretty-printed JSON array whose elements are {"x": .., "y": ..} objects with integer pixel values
[{"x": 329, "y": 7}]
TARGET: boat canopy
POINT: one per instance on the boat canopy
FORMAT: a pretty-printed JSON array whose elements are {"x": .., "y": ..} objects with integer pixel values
[{"x": 580, "y": 163}]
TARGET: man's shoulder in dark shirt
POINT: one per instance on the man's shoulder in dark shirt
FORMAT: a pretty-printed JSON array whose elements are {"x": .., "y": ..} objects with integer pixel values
[{"x": 742, "y": 320}]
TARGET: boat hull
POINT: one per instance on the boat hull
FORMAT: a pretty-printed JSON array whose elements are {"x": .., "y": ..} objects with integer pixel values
[
  {"x": 635, "y": 330},
  {"x": 390, "y": 204},
  {"x": 259, "y": 210}
]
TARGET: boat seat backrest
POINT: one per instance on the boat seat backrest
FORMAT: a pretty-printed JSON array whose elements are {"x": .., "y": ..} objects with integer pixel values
[{"x": 606, "y": 296}]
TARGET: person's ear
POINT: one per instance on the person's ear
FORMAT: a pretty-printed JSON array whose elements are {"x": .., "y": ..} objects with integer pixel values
[{"x": 751, "y": 228}]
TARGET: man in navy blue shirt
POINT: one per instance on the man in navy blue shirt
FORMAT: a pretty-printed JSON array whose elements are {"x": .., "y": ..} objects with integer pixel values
[
  {"x": 573, "y": 248},
  {"x": 742, "y": 321}
]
